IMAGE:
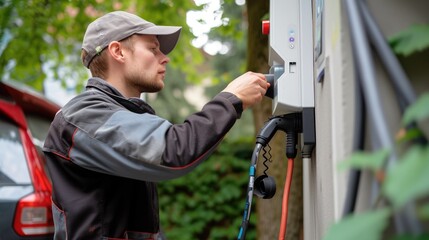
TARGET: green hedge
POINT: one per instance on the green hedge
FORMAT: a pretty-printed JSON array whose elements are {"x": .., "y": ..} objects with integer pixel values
[{"x": 208, "y": 203}]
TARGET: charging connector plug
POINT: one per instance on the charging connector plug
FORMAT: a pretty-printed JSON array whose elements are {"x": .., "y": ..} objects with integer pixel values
[
  {"x": 270, "y": 90},
  {"x": 289, "y": 123}
]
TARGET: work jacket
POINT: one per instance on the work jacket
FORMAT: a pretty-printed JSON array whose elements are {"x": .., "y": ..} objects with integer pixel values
[{"x": 105, "y": 152}]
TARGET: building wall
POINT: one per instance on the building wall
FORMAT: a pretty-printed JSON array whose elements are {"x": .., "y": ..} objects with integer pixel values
[{"x": 324, "y": 185}]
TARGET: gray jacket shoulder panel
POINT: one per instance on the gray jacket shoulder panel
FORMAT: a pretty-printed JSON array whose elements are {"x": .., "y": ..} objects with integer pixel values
[
  {"x": 139, "y": 136},
  {"x": 94, "y": 155},
  {"x": 89, "y": 110}
]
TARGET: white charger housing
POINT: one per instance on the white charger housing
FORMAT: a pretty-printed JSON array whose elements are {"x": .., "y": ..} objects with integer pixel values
[{"x": 291, "y": 55}]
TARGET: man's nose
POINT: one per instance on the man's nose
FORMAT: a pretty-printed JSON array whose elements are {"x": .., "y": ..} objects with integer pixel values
[{"x": 164, "y": 59}]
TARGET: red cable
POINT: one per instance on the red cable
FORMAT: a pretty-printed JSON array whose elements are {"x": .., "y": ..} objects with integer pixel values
[{"x": 286, "y": 191}]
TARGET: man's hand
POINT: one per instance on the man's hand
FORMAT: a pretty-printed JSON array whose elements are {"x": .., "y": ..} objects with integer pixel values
[{"x": 249, "y": 87}]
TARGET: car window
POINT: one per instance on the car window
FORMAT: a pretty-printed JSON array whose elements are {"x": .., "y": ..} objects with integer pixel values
[
  {"x": 13, "y": 164},
  {"x": 39, "y": 127}
]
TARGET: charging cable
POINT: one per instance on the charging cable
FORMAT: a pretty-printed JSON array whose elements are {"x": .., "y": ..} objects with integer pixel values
[
  {"x": 291, "y": 151},
  {"x": 248, "y": 205},
  {"x": 291, "y": 124},
  {"x": 286, "y": 191}
]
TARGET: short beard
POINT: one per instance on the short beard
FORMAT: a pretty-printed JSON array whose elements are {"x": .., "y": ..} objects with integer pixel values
[
  {"x": 143, "y": 85},
  {"x": 151, "y": 88}
]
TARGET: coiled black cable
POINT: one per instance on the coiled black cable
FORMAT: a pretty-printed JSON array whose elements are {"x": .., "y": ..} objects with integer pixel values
[{"x": 266, "y": 154}]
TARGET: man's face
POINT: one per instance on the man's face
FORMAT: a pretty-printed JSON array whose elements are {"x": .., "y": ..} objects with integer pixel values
[{"x": 146, "y": 67}]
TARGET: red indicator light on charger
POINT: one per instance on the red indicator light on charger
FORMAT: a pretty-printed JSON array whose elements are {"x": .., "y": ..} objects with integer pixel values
[{"x": 266, "y": 27}]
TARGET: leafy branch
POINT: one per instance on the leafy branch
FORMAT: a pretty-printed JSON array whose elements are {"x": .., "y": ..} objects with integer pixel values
[
  {"x": 402, "y": 183},
  {"x": 411, "y": 40}
]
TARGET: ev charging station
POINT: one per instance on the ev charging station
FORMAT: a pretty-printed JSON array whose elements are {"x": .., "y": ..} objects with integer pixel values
[
  {"x": 291, "y": 58},
  {"x": 291, "y": 55},
  {"x": 291, "y": 76}
]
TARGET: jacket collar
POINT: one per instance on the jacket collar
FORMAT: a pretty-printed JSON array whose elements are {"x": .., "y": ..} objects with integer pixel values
[
  {"x": 133, "y": 104},
  {"x": 103, "y": 86}
]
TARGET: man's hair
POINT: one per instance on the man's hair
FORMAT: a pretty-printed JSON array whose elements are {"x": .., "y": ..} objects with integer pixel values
[{"x": 98, "y": 65}]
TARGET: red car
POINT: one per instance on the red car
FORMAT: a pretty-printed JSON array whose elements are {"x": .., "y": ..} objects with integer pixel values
[{"x": 25, "y": 187}]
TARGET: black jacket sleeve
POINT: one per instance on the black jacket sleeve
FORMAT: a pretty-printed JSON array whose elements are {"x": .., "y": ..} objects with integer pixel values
[{"x": 200, "y": 133}]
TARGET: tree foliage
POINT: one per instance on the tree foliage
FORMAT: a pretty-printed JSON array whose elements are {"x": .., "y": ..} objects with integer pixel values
[
  {"x": 39, "y": 36},
  {"x": 208, "y": 203}
]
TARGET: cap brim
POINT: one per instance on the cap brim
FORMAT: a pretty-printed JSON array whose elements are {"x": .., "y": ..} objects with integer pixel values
[{"x": 167, "y": 36}]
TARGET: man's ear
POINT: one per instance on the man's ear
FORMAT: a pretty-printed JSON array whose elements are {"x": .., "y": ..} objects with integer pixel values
[{"x": 115, "y": 51}]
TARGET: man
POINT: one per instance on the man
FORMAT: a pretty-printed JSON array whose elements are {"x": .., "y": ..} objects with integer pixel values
[{"x": 106, "y": 148}]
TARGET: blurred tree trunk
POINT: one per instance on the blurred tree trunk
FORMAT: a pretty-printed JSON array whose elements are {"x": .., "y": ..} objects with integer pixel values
[{"x": 269, "y": 210}]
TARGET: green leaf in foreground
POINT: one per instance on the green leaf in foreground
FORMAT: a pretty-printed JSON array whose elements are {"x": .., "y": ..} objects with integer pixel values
[
  {"x": 360, "y": 160},
  {"x": 410, "y": 237},
  {"x": 408, "y": 179},
  {"x": 413, "y": 39},
  {"x": 423, "y": 212},
  {"x": 410, "y": 134},
  {"x": 368, "y": 226},
  {"x": 417, "y": 111}
]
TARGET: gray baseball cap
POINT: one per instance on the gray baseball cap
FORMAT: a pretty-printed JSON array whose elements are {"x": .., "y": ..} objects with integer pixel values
[{"x": 118, "y": 25}]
